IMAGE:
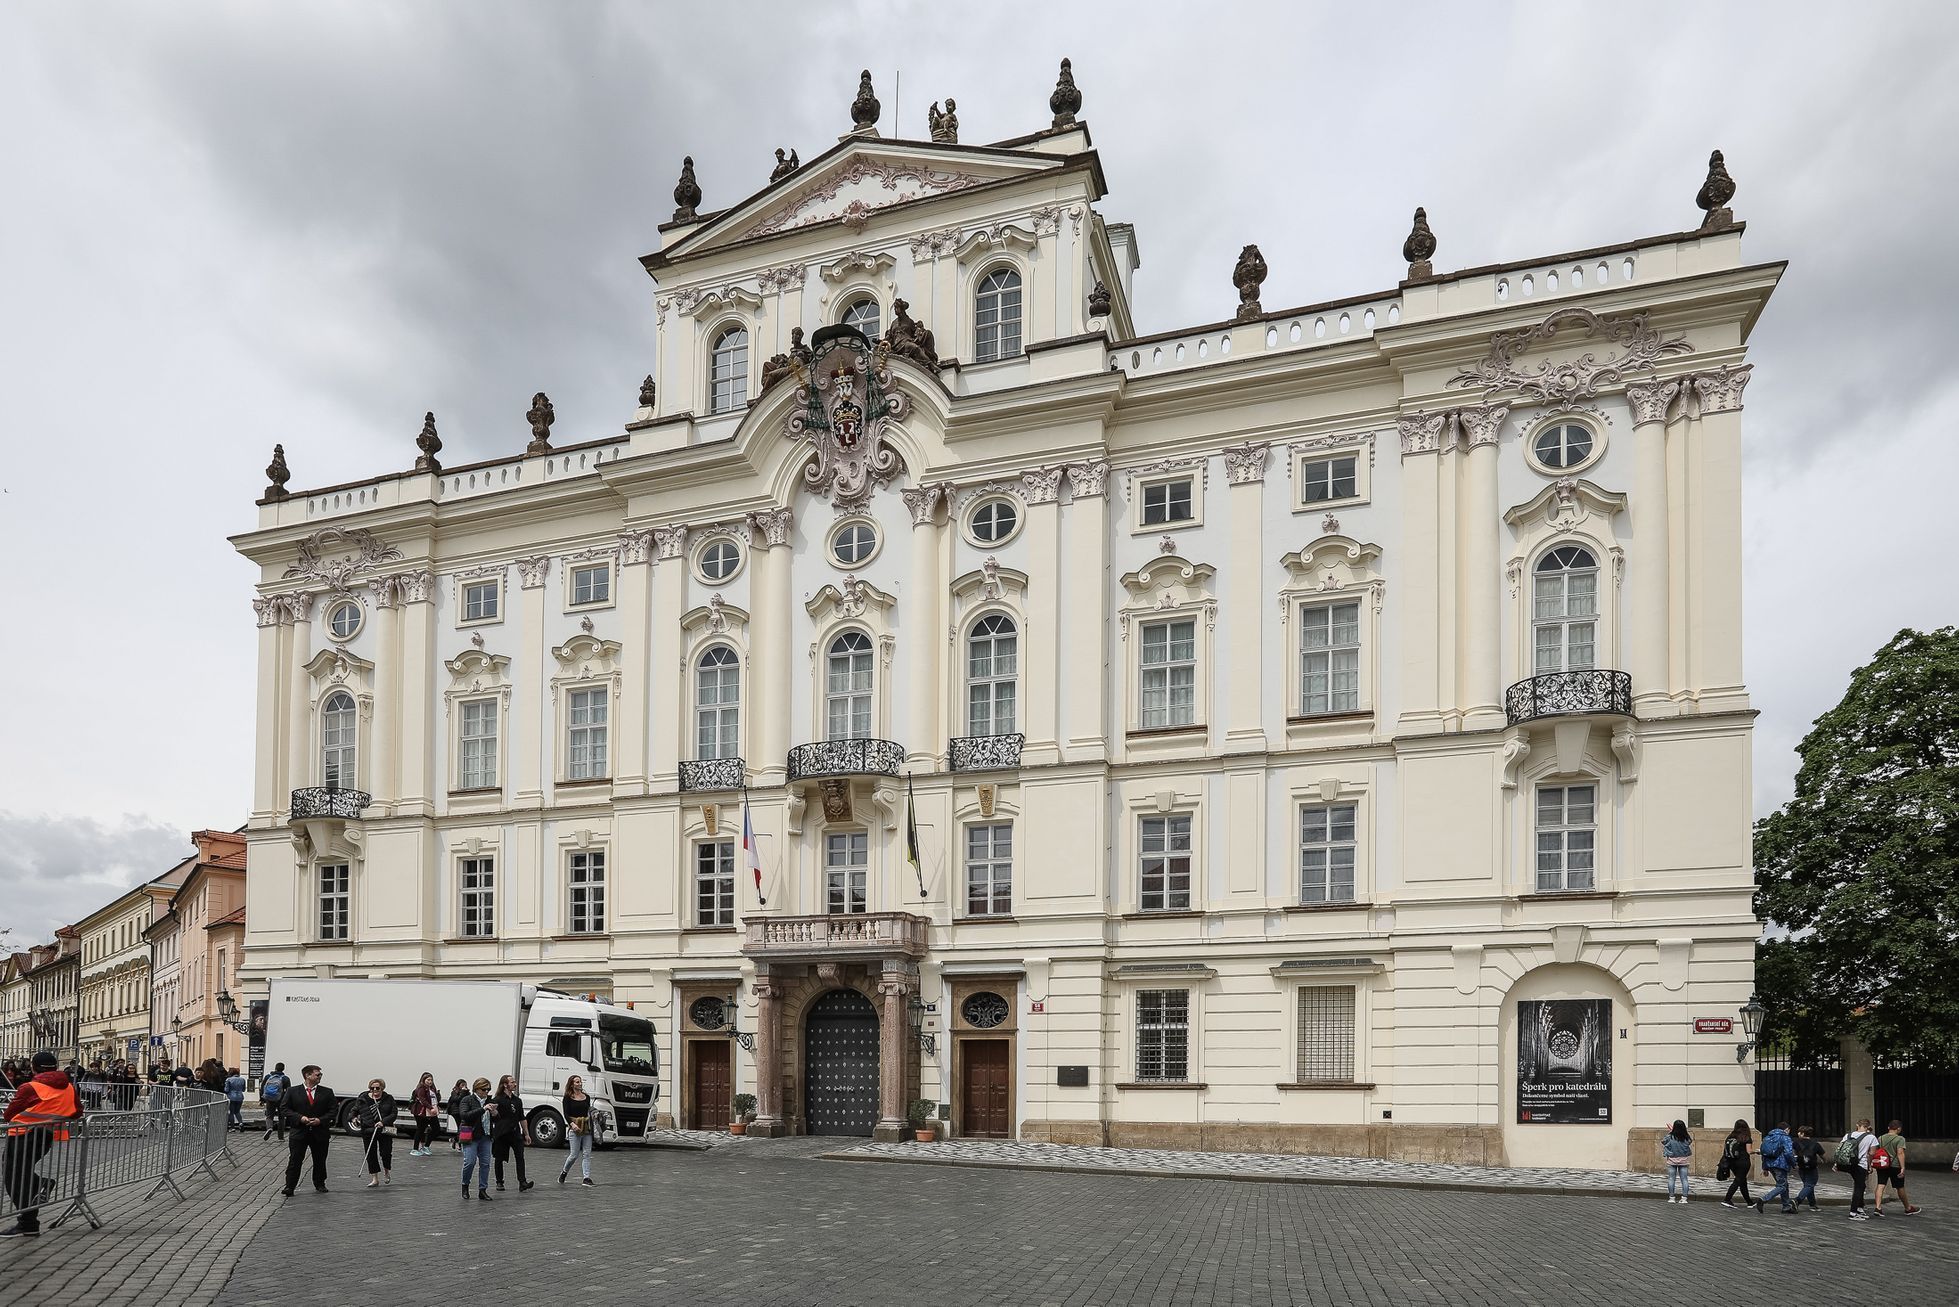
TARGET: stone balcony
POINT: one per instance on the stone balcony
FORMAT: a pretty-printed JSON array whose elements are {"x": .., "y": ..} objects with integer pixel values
[{"x": 845, "y": 936}]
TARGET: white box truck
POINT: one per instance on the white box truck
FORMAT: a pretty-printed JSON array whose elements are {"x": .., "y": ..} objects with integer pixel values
[{"x": 357, "y": 1030}]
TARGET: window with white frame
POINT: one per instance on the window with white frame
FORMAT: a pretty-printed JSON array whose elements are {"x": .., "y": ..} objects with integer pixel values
[
  {"x": 585, "y": 902},
  {"x": 853, "y": 543},
  {"x": 478, "y": 877},
  {"x": 585, "y": 744},
  {"x": 1163, "y": 848},
  {"x": 590, "y": 584},
  {"x": 847, "y": 696},
  {"x": 992, "y": 671},
  {"x": 846, "y": 867},
  {"x": 996, "y": 316},
  {"x": 989, "y": 870},
  {"x": 993, "y": 521},
  {"x": 339, "y": 727},
  {"x": 1166, "y": 503},
  {"x": 1169, "y": 680},
  {"x": 720, "y": 560},
  {"x": 344, "y": 620},
  {"x": 864, "y": 315},
  {"x": 1564, "y": 611},
  {"x": 1326, "y": 853},
  {"x": 482, "y": 601},
  {"x": 714, "y": 883},
  {"x": 1326, "y": 480},
  {"x": 1326, "y": 1034},
  {"x": 717, "y": 703},
  {"x": 335, "y": 898},
  {"x": 1329, "y": 657},
  {"x": 1163, "y": 1034},
  {"x": 1562, "y": 446},
  {"x": 476, "y": 744},
  {"x": 1567, "y": 836},
  {"x": 727, "y": 375}
]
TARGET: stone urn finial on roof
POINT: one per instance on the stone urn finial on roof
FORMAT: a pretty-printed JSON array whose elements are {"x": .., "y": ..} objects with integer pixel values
[
  {"x": 277, "y": 474},
  {"x": 1248, "y": 276},
  {"x": 865, "y": 108},
  {"x": 541, "y": 416},
  {"x": 1714, "y": 195},
  {"x": 1100, "y": 300},
  {"x": 686, "y": 193},
  {"x": 430, "y": 444},
  {"x": 1067, "y": 98},
  {"x": 1419, "y": 248},
  {"x": 647, "y": 392}
]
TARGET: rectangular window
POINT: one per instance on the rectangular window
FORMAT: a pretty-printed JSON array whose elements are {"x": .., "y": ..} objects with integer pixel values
[
  {"x": 1163, "y": 1034},
  {"x": 585, "y": 757},
  {"x": 1326, "y": 853},
  {"x": 591, "y": 583},
  {"x": 846, "y": 860},
  {"x": 1167, "y": 502},
  {"x": 1165, "y": 851},
  {"x": 479, "y": 882},
  {"x": 1567, "y": 828},
  {"x": 476, "y": 763},
  {"x": 585, "y": 874},
  {"x": 714, "y": 883},
  {"x": 1169, "y": 656},
  {"x": 482, "y": 600},
  {"x": 334, "y": 900},
  {"x": 1326, "y": 1033},
  {"x": 989, "y": 870},
  {"x": 1329, "y": 658},
  {"x": 1326, "y": 479}
]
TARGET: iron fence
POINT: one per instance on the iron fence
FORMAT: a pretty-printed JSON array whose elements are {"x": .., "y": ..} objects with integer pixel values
[
  {"x": 1925, "y": 1099},
  {"x": 162, "y": 1133},
  {"x": 1556, "y": 694},
  {"x": 1806, "y": 1091}
]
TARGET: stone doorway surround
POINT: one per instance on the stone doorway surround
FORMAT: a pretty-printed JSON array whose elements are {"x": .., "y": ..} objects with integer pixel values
[
  {"x": 686, "y": 1112},
  {"x": 958, "y": 990}
]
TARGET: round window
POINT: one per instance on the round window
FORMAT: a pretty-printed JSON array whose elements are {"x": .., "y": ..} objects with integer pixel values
[
  {"x": 984, "y": 1010},
  {"x": 708, "y": 1013},
  {"x": 1565, "y": 445},
  {"x": 853, "y": 543},
  {"x": 344, "y": 619},
  {"x": 720, "y": 560},
  {"x": 994, "y": 521}
]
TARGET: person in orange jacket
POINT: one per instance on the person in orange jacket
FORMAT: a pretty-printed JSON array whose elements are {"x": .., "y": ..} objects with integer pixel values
[{"x": 36, "y": 1118}]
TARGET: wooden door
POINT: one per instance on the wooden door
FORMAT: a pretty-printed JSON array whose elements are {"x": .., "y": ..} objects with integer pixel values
[
  {"x": 709, "y": 1088},
  {"x": 986, "y": 1081}
]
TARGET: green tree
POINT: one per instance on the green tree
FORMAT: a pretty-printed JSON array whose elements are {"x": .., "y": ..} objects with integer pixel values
[{"x": 1861, "y": 867}]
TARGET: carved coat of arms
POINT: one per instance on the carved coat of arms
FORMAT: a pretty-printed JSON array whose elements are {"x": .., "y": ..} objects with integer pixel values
[{"x": 846, "y": 400}]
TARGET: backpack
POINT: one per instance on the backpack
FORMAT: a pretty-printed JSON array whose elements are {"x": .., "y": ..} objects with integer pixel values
[
  {"x": 1733, "y": 1150},
  {"x": 1847, "y": 1150},
  {"x": 1880, "y": 1158}
]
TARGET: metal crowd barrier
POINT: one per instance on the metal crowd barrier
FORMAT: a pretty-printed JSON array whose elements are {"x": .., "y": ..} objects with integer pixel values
[{"x": 162, "y": 1133}]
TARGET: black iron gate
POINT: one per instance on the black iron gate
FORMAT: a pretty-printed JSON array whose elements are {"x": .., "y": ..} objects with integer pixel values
[
  {"x": 1926, "y": 1101},
  {"x": 1802, "y": 1093},
  {"x": 840, "y": 1056}
]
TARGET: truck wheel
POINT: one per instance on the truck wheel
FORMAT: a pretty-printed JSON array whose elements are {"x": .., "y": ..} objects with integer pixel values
[
  {"x": 343, "y": 1119},
  {"x": 547, "y": 1129}
]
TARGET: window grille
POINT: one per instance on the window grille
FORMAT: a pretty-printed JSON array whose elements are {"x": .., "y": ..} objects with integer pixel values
[{"x": 1326, "y": 1033}]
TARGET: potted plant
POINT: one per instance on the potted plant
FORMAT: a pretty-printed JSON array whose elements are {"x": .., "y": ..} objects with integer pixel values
[
  {"x": 920, "y": 1115},
  {"x": 744, "y": 1113}
]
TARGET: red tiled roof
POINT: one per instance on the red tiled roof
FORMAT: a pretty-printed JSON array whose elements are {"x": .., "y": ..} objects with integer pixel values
[{"x": 229, "y": 919}]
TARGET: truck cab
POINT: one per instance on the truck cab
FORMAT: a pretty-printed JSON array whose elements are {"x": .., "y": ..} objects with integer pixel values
[{"x": 610, "y": 1047}]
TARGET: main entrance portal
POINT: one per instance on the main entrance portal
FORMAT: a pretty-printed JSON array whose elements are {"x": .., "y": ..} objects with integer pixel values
[{"x": 840, "y": 1059}]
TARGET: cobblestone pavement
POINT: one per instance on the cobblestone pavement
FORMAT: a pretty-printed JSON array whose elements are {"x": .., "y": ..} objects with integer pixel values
[{"x": 1369, "y": 1171}]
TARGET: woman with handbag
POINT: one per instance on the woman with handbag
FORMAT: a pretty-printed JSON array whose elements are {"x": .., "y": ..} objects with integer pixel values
[
  {"x": 472, "y": 1134},
  {"x": 509, "y": 1131},
  {"x": 374, "y": 1116},
  {"x": 1735, "y": 1165},
  {"x": 425, "y": 1106},
  {"x": 456, "y": 1095},
  {"x": 578, "y": 1131}
]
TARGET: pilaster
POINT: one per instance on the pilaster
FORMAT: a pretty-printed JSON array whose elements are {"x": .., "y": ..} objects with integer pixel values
[
  {"x": 299, "y": 698},
  {"x": 635, "y": 583},
  {"x": 769, "y": 640},
  {"x": 385, "y": 782},
  {"x": 417, "y": 707},
  {"x": 531, "y": 745},
  {"x": 1648, "y": 644},
  {"x": 1479, "y": 615},
  {"x": 668, "y": 677},
  {"x": 1040, "y": 674},
  {"x": 1244, "y": 468},
  {"x": 268, "y": 757},
  {"x": 1085, "y": 556},
  {"x": 1421, "y": 435},
  {"x": 924, "y": 604},
  {"x": 1714, "y": 481}
]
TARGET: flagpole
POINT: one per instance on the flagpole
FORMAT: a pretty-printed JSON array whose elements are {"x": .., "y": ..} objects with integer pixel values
[{"x": 911, "y": 837}]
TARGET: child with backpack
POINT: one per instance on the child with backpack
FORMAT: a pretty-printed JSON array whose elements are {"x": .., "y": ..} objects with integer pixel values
[
  {"x": 1853, "y": 1158},
  {"x": 1677, "y": 1147},
  {"x": 1735, "y": 1165},
  {"x": 1809, "y": 1153},
  {"x": 1778, "y": 1157}
]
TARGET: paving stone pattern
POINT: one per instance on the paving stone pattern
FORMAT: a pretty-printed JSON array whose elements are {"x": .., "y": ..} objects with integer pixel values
[{"x": 1285, "y": 1167}]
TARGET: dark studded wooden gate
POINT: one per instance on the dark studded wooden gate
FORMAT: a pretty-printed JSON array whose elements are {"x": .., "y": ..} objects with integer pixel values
[{"x": 840, "y": 1055}]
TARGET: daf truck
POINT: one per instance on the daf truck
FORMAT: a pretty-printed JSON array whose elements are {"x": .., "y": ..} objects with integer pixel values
[{"x": 359, "y": 1030}]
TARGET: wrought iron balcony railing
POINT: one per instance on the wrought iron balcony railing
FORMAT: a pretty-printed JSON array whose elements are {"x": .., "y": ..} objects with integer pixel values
[
  {"x": 714, "y": 774},
  {"x": 845, "y": 758},
  {"x": 863, "y": 934},
  {"x": 329, "y": 801},
  {"x": 1564, "y": 694},
  {"x": 984, "y": 752}
]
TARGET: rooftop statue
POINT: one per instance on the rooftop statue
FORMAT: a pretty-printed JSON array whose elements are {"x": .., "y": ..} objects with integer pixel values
[
  {"x": 1248, "y": 276},
  {"x": 865, "y": 108},
  {"x": 784, "y": 166},
  {"x": 1715, "y": 193},
  {"x": 909, "y": 339},
  {"x": 541, "y": 416},
  {"x": 1066, "y": 100},
  {"x": 686, "y": 193},
  {"x": 944, "y": 126}
]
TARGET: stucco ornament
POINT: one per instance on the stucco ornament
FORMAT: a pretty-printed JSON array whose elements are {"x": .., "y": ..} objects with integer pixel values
[
  {"x": 1245, "y": 464},
  {"x": 847, "y": 401},
  {"x": 335, "y": 556},
  {"x": 1565, "y": 381}
]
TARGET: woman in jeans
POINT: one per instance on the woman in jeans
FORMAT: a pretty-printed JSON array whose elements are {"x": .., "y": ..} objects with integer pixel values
[
  {"x": 1677, "y": 1146},
  {"x": 472, "y": 1111},
  {"x": 374, "y": 1116},
  {"x": 1736, "y": 1150},
  {"x": 578, "y": 1131},
  {"x": 425, "y": 1106},
  {"x": 509, "y": 1132}
]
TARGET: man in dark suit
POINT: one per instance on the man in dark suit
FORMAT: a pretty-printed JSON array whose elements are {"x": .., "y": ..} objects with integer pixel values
[{"x": 309, "y": 1109}]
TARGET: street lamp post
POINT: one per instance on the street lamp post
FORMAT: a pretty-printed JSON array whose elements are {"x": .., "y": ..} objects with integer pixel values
[
  {"x": 1751, "y": 1025},
  {"x": 228, "y": 1013}
]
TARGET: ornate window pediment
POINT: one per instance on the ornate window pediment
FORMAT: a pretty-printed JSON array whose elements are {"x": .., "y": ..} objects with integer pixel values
[
  {"x": 987, "y": 585},
  {"x": 859, "y": 262},
  {"x": 1171, "y": 582},
  {"x": 588, "y": 658},
  {"x": 1565, "y": 506},
  {"x": 1333, "y": 562},
  {"x": 336, "y": 669},
  {"x": 475, "y": 672},
  {"x": 715, "y": 617},
  {"x": 850, "y": 599},
  {"x": 705, "y": 302}
]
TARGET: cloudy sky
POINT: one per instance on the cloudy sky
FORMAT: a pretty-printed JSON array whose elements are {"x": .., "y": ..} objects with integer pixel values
[{"x": 234, "y": 224}]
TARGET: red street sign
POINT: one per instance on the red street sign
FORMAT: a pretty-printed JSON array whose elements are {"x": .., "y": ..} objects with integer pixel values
[
  {"x": 1039, "y": 1006},
  {"x": 1714, "y": 1025}
]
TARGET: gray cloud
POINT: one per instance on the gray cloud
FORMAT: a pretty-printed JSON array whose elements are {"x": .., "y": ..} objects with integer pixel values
[{"x": 57, "y": 870}]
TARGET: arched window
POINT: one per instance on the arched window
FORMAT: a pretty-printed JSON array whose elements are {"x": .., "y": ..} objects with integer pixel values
[
  {"x": 717, "y": 703},
  {"x": 1564, "y": 611},
  {"x": 992, "y": 671},
  {"x": 996, "y": 316},
  {"x": 848, "y": 697},
  {"x": 864, "y": 315},
  {"x": 727, "y": 374},
  {"x": 337, "y": 728}
]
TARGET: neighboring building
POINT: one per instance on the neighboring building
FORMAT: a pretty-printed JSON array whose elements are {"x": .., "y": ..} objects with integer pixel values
[
  {"x": 16, "y": 1000},
  {"x": 115, "y": 997},
  {"x": 199, "y": 942},
  {"x": 1326, "y": 727},
  {"x": 54, "y": 995},
  {"x": 166, "y": 940}
]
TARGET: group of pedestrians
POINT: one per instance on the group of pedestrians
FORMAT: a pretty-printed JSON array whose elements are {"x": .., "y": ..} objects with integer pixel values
[
  {"x": 492, "y": 1128},
  {"x": 1860, "y": 1154}
]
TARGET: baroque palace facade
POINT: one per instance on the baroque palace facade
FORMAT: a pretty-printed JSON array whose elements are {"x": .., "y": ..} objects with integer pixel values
[{"x": 1323, "y": 730}]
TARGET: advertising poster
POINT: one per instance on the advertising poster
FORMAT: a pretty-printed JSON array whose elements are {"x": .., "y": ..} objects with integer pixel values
[
  {"x": 1564, "y": 1061},
  {"x": 255, "y": 1039}
]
